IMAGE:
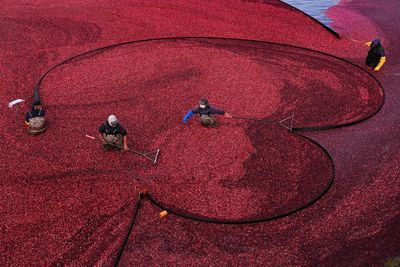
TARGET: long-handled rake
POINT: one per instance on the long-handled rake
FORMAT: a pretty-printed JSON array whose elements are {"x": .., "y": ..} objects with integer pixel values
[
  {"x": 286, "y": 122},
  {"x": 353, "y": 40},
  {"x": 153, "y": 156}
]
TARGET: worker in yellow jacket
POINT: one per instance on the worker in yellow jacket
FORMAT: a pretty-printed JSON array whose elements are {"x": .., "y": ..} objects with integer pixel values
[{"x": 376, "y": 55}]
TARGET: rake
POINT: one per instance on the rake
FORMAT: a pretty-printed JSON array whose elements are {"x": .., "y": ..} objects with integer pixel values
[
  {"x": 153, "y": 155},
  {"x": 286, "y": 122}
]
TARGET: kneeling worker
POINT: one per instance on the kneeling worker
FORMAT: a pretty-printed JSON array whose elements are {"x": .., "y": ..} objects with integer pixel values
[
  {"x": 205, "y": 110},
  {"x": 113, "y": 135},
  {"x": 376, "y": 55},
  {"x": 35, "y": 119}
]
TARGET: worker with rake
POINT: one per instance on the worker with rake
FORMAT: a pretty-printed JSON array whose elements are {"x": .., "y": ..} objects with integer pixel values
[
  {"x": 113, "y": 135},
  {"x": 205, "y": 110}
]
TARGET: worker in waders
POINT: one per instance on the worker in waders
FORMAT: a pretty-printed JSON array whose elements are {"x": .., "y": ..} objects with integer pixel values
[
  {"x": 35, "y": 119},
  {"x": 376, "y": 55},
  {"x": 113, "y": 135},
  {"x": 206, "y": 112}
]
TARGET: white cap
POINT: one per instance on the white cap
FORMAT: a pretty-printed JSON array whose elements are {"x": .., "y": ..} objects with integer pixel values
[{"x": 112, "y": 120}]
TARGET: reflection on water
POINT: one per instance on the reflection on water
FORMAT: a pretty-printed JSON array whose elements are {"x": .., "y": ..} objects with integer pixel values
[{"x": 314, "y": 8}]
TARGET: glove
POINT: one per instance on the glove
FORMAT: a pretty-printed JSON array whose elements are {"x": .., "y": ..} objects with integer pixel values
[
  {"x": 188, "y": 115},
  {"x": 381, "y": 62}
]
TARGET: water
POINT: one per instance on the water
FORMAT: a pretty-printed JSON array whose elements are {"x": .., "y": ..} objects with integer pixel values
[{"x": 314, "y": 8}]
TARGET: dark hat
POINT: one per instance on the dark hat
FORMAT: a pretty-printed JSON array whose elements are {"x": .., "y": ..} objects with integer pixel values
[
  {"x": 375, "y": 43},
  {"x": 37, "y": 103},
  {"x": 203, "y": 101}
]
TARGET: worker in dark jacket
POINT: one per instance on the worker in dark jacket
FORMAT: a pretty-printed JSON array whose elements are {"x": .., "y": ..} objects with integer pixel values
[
  {"x": 205, "y": 110},
  {"x": 113, "y": 135},
  {"x": 376, "y": 55},
  {"x": 35, "y": 119}
]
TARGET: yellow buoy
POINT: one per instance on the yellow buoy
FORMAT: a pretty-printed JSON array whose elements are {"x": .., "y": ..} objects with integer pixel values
[{"x": 163, "y": 214}]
